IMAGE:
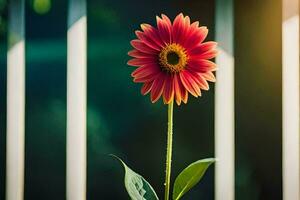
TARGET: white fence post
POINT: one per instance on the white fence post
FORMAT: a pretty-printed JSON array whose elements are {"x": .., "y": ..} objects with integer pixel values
[
  {"x": 76, "y": 100},
  {"x": 224, "y": 102},
  {"x": 290, "y": 100},
  {"x": 15, "y": 102}
]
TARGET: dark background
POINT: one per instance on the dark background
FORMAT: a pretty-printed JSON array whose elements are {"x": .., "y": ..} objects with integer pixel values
[{"x": 123, "y": 122}]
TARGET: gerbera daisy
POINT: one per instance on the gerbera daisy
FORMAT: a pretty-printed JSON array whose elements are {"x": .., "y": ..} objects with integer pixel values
[{"x": 172, "y": 59}]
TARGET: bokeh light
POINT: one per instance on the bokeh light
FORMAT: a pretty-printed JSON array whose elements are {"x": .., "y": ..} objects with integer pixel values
[{"x": 41, "y": 6}]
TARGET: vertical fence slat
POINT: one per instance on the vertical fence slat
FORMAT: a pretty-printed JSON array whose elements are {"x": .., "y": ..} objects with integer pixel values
[
  {"x": 76, "y": 100},
  {"x": 290, "y": 99},
  {"x": 15, "y": 102},
  {"x": 224, "y": 102}
]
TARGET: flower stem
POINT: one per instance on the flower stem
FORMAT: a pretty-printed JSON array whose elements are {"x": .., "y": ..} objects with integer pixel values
[{"x": 169, "y": 150}]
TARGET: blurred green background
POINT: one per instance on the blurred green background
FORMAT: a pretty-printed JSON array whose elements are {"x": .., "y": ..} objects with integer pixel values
[{"x": 122, "y": 122}]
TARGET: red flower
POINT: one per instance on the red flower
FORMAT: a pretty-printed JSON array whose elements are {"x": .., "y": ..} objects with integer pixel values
[{"x": 172, "y": 59}]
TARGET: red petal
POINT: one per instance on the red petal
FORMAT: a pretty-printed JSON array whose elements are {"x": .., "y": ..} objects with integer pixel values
[
  {"x": 166, "y": 19},
  {"x": 187, "y": 21},
  {"x": 168, "y": 24},
  {"x": 190, "y": 84},
  {"x": 207, "y": 55},
  {"x": 179, "y": 29},
  {"x": 157, "y": 87},
  {"x": 146, "y": 70},
  {"x": 146, "y": 88},
  {"x": 202, "y": 83},
  {"x": 209, "y": 76},
  {"x": 164, "y": 30},
  {"x": 145, "y": 79},
  {"x": 181, "y": 93},
  {"x": 177, "y": 90},
  {"x": 194, "y": 83},
  {"x": 141, "y": 46},
  {"x": 201, "y": 65},
  {"x": 138, "y": 54},
  {"x": 141, "y": 61},
  {"x": 147, "y": 40},
  {"x": 168, "y": 93},
  {"x": 195, "y": 25},
  {"x": 152, "y": 33},
  {"x": 185, "y": 96},
  {"x": 203, "y": 48},
  {"x": 195, "y": 37}
]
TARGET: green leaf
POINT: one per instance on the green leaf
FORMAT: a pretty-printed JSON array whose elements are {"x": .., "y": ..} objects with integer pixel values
[
  {"x": 137, "y": 187},
  {"x": 190, "y": 176}
]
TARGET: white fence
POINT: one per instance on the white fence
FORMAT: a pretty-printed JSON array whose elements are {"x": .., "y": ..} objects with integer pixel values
[
  {"x": 224, "y": 102},
  {"x": 76, "y": 101},
  {"x": 15, "y": 102},
  {"x": 290, "y": 99}
]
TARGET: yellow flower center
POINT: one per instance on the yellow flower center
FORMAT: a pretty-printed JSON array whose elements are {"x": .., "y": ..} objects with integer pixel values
[{"x": 173, "y": 58}]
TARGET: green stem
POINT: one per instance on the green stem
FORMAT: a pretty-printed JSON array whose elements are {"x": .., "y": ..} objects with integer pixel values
[{"x": 169, "y": 150}]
